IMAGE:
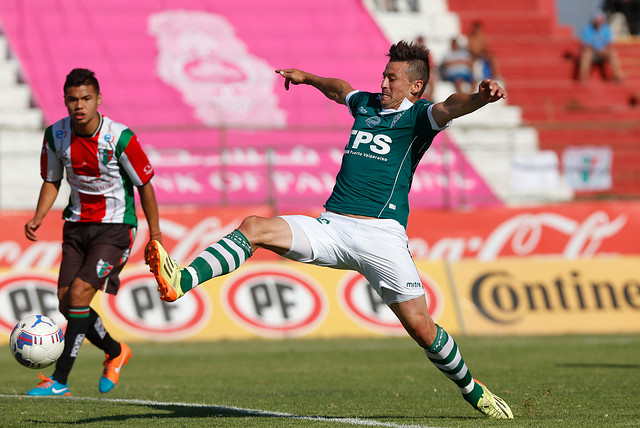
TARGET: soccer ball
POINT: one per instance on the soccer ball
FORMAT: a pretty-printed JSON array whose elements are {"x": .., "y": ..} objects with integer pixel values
[{"x": 36, "y": 342}]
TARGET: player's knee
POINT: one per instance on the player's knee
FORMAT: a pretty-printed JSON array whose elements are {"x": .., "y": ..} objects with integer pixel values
[
  {"x": 425, "y": 333},
  {"x": 80, "y": 293},
  {"x": 254, "y": 228}
]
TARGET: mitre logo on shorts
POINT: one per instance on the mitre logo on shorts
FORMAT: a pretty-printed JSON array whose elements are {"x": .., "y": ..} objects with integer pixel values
[
  {"x": 138, "y": 308},
  {"x": 28, "y": 293},
  {"x": 274, "y": 302},
  {"x": 103, "y": 268},
  {"x": 362, "y": 304}
]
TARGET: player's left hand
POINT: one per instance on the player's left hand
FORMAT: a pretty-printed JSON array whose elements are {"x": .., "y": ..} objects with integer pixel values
[
  {"x": 491, "y": 91},
  {"x": 291, "y": 75}
]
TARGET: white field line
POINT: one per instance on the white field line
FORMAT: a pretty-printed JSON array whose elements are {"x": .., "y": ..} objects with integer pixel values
[{"x": 237, "y": 410}]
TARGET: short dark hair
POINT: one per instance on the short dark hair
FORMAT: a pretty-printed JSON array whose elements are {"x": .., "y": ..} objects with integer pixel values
[
  {"x": 417, "y": 55},
  {"x": 79, "y": 77}
]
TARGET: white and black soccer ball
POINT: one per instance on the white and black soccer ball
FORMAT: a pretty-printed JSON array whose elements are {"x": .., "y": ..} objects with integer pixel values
[{"x": 36, "y": 342}]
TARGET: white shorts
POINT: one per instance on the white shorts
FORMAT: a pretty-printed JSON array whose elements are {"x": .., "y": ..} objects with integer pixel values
[{"x": 376, "y": 248}]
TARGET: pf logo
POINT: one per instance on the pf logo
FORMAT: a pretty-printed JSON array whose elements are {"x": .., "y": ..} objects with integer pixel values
[
  {"x": 138, "y": 307},
  {"x": 362, "y": 304},
  {"x": 274, "y": 302},
  {"x": 28, "y": 293}
]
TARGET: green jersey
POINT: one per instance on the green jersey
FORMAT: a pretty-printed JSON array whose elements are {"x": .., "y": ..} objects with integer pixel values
[{"x": 381, "y": 157}]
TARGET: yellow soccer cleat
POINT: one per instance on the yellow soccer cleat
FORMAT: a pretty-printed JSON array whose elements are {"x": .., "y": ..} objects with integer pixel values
[
  {"x": 492, "y": 405},
  {"x": 166, "y": 271}
]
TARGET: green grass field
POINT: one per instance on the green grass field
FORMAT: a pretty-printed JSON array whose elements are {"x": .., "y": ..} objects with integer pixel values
[{"x": 568, "y": 381}]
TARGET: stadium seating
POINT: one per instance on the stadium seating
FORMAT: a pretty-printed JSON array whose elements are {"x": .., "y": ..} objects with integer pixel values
[
  {"x": 537, "y": 59},
  {"x": 20, "y": 136},
  {"x": 491, "y": 136}
]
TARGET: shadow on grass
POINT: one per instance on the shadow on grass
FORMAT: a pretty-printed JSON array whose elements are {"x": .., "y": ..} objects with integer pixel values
[
  {"x": 200, "y": 411},
  {"x": 600, "y": 365}
]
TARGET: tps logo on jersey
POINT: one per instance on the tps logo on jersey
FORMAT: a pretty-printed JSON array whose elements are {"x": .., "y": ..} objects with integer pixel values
[
  {"x": 274, "y": 302},
  {"x": 28, "y": 293},
  {"x": 362, "y": 304},
  {"x": 379, "y": 144},
  {"x": 138, "y": 308}
]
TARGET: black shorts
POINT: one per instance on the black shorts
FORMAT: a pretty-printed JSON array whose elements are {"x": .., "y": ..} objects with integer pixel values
[{"x": 95, "y": 253}]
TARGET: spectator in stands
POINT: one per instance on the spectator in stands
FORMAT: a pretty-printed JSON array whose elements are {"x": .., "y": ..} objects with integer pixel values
[
  {"x": 597, "y": 48},
  {"x": 457, "y": 67},
  {"x": 479, "y": 49},
  {"x": 363, "y": 227},
  {"x": 102, "y": 161},
  {"x": 630, "y": 9}
]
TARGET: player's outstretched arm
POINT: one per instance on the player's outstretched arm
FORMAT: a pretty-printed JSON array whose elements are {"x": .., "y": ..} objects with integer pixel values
[
  {"x": 334, "y": 89},
  {"x": 457, "y": 105}
]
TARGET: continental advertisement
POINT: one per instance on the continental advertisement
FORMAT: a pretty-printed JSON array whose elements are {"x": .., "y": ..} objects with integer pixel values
[
  {"x": 549, "y": 296},
  {"x": 545, "y": 270}
]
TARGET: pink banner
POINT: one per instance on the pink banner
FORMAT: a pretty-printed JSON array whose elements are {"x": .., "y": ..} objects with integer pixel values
[
  {"x": 189, "y": 63},
  {"x": 195, "y": 80},
  {"x": 303, "y": 177}
]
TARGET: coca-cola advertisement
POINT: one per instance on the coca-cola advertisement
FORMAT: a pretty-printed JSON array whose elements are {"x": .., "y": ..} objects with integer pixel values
[
  {"x": 566, "y": 231},
  {"x": 576, "y": 230}
]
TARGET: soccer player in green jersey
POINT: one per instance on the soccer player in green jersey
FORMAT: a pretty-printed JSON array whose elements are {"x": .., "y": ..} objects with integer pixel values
[{"x": 363, "y": 227}]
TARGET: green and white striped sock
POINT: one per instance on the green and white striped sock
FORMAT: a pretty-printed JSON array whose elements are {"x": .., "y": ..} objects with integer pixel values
[
  {"x": 218, "y": 259},
  {"x": 444, "y": 354}
]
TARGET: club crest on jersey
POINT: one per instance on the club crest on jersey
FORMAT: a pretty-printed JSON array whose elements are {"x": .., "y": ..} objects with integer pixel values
[
  {"x": 373, "y": 121},
  {"x": 362, "y": 110},
  {"x": 105, "y": 155},
  {"x": 103, "y": 268}
]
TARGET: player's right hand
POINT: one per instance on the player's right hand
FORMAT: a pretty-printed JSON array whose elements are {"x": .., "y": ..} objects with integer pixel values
[{"x": 31, "y": 227}]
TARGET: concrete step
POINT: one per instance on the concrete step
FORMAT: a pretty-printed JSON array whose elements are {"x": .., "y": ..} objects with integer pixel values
[
  {"x": 21, "y": 142},
  {"x": 30, "y": 119},
  {"x": 15, "y": 97},
  {"x": 515, "y": 140},
  {"x": 8, "y": 73}
]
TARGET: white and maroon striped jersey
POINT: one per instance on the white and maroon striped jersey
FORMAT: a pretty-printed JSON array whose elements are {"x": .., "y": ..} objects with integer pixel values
[{"x": 101, "y": 170}]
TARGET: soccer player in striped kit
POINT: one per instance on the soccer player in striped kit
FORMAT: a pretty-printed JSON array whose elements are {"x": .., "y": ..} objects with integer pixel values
[
  {"x": 103, "y": 161},
  {"x": 364, "y": 226}
]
